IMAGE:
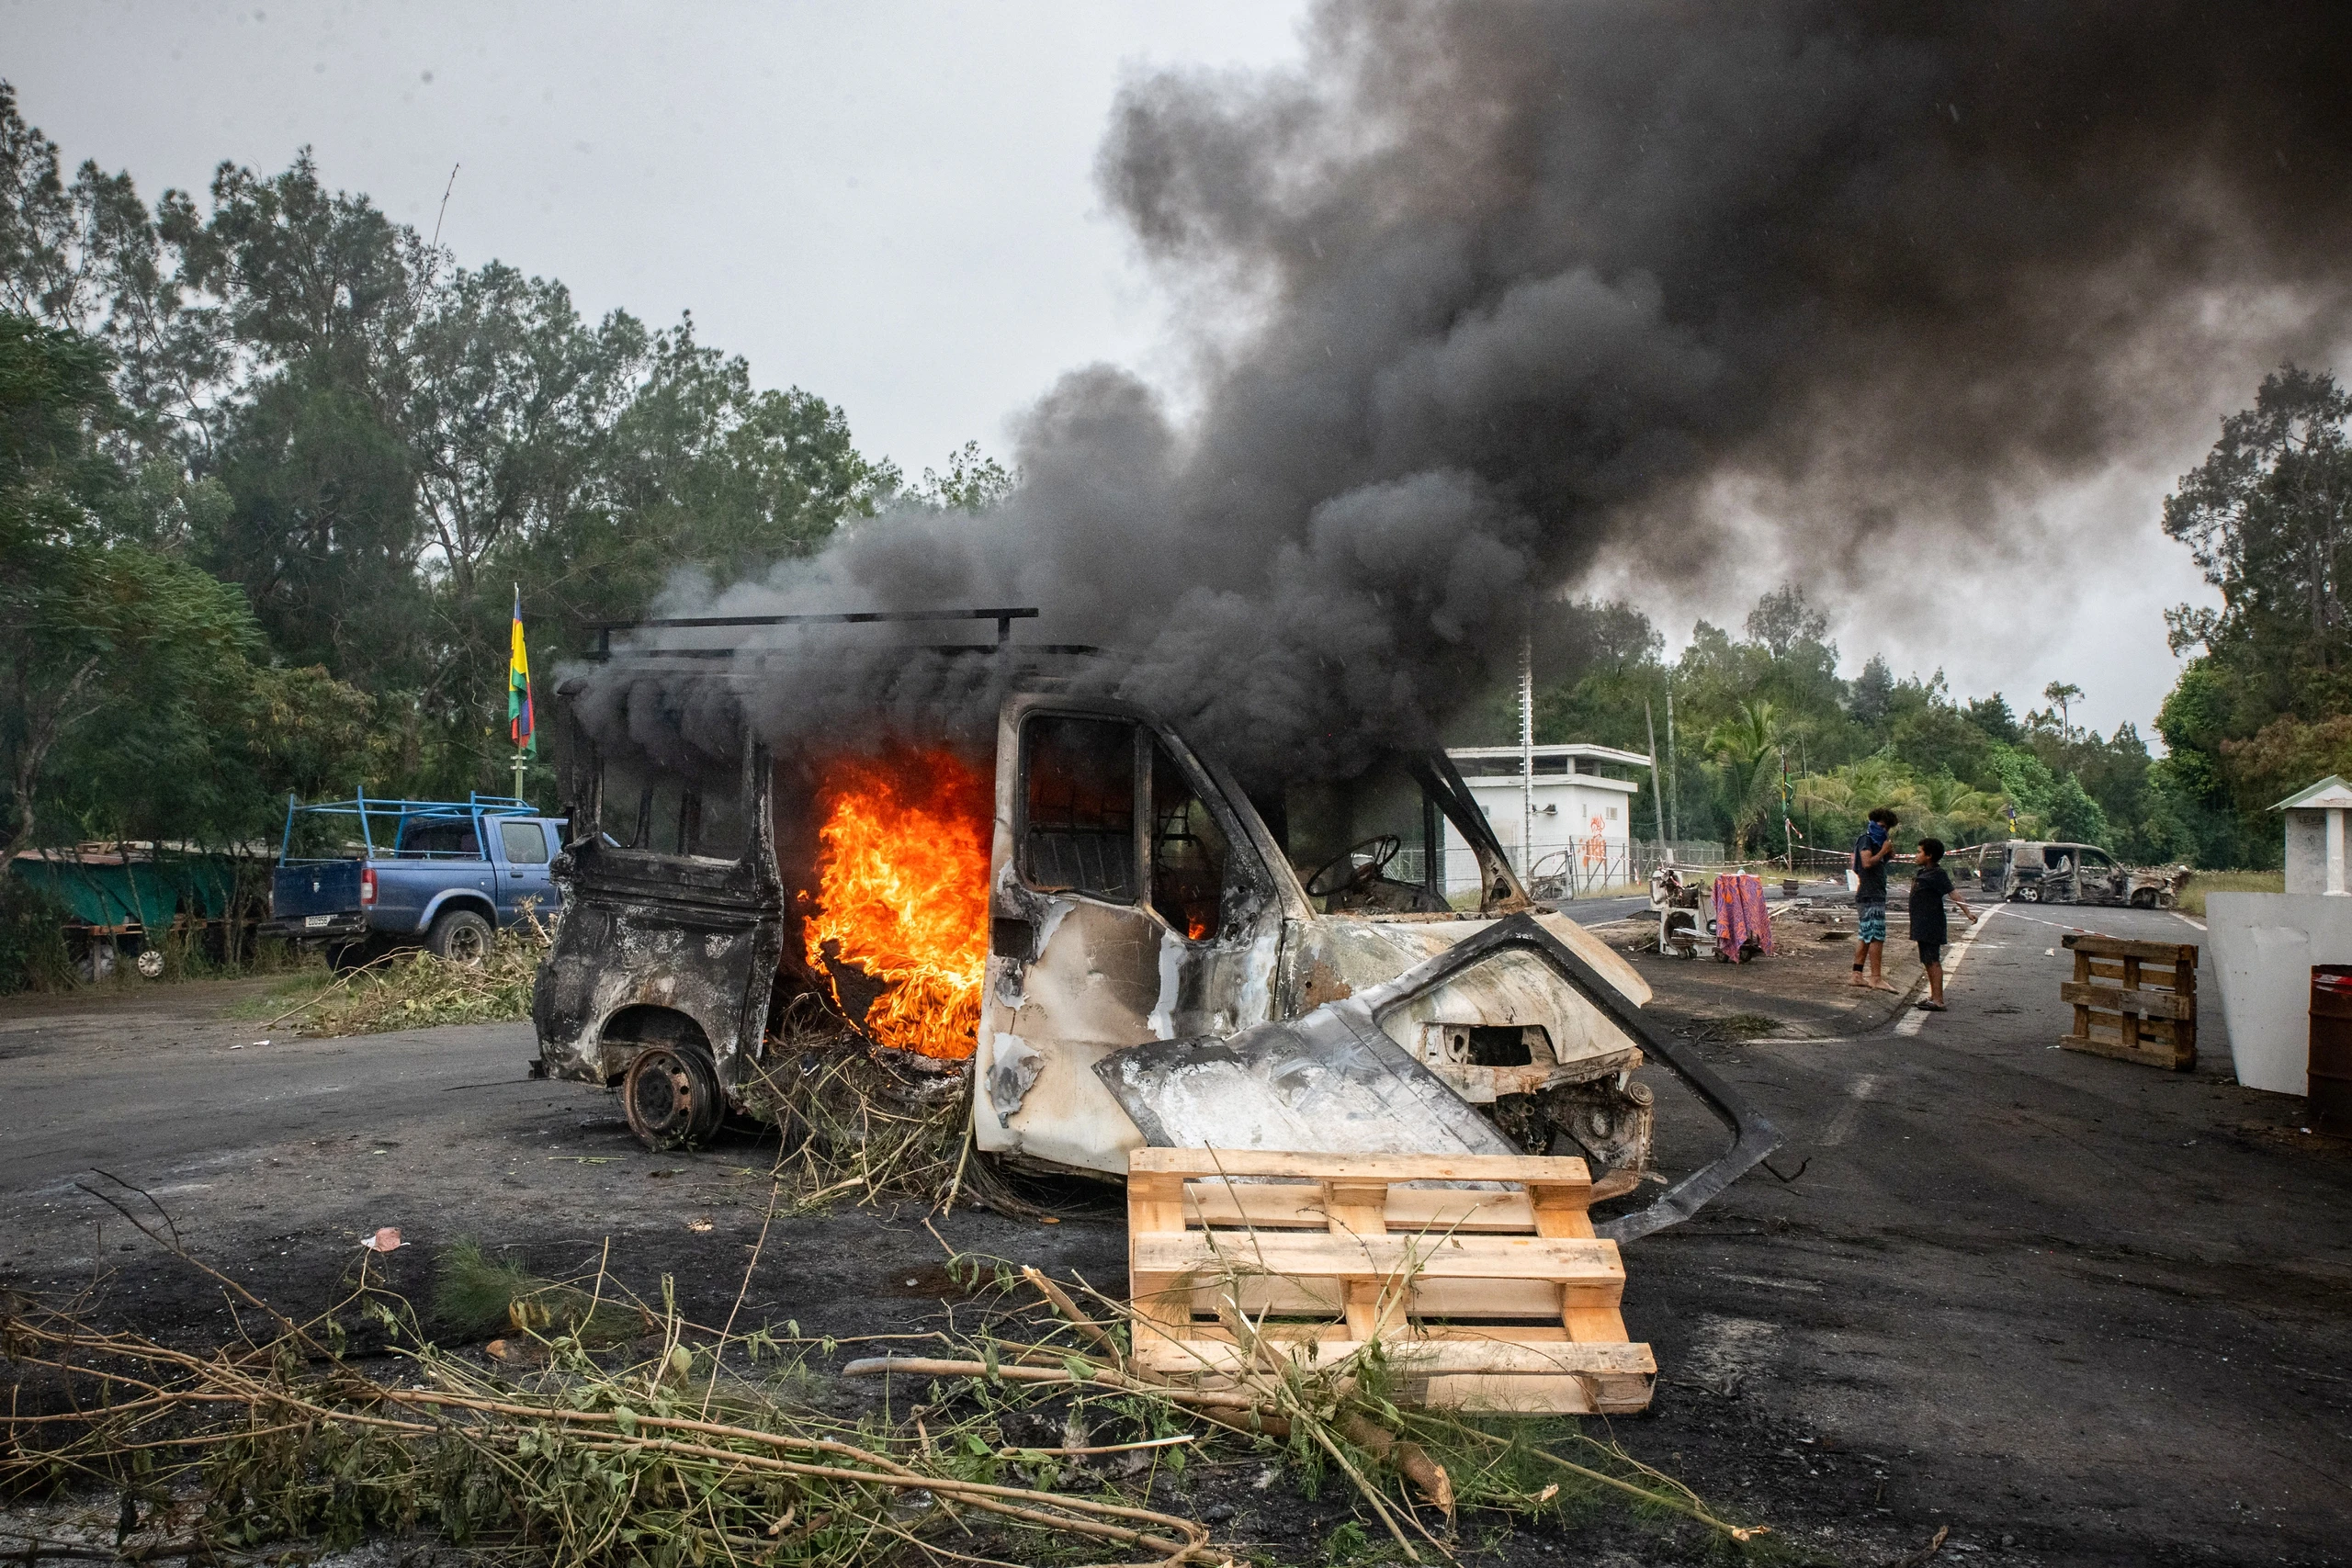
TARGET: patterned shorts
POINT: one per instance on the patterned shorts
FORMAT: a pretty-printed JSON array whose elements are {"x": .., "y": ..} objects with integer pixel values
[{"x": 1872, "y": 919}]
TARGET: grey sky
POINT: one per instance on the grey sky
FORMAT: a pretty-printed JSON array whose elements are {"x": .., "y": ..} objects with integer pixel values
[{"x": 892, "y": 205}]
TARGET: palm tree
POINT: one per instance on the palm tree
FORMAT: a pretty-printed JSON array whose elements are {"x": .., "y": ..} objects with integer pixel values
[
  {"x": 1960, "y": 809},
  {"x": 1740, "y": 746},
  {"x": 1848, "y": 795}
]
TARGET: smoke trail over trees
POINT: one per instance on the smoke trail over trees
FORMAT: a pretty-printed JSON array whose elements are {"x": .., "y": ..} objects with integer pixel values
[{"x": 1490, "y": 294}]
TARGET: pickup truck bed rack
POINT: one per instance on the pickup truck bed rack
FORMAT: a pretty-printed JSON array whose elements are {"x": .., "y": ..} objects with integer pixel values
[{"x": 364, "y": 808}]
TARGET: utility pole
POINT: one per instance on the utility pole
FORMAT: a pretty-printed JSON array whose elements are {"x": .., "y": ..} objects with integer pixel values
[
  {"x": 1673, "y": 788},
  {"x": 1527, "y": 748},
  {"x": 1657, "y": 796},
  {"x": 1788, "y": 827}
]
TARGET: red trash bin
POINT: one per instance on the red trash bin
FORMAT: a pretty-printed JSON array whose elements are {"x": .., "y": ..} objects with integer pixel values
[{"x": 2328, "y": 1075}]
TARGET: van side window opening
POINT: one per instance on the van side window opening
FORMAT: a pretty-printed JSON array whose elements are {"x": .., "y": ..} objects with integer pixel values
[
  {"x": 661, "y": 811},
  {"x": 525, "y": 843},
  {"x": 1189, "y": 853},
  {"x": 1078, "y": 781},
  {"x": 662, "y": 814},
  {"x": 722, "y": 828}
]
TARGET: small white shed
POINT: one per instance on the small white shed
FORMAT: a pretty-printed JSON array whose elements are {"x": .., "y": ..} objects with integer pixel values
[
  {"x": 1583, "y": 818},
  {"x": 2315, "y": 836}
]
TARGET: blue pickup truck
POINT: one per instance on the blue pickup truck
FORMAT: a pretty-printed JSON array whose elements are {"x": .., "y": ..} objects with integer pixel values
[{"x": 360, "y": 875}]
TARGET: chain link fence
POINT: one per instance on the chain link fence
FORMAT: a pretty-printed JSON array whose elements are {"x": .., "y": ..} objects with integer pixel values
[{"x": 1566, "y": 873}]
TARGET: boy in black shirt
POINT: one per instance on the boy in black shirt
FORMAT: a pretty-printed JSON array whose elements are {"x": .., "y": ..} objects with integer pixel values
[{"x": 1930, "y": 886}]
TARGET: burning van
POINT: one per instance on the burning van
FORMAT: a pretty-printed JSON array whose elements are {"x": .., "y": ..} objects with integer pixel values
[{"x": 1117, "y": 942}]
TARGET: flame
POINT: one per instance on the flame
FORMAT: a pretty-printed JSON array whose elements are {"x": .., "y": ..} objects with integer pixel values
[{"x": 902, "y": 874}]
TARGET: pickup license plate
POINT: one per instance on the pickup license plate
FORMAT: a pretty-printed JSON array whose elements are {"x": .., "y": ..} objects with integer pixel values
[{"x": 315, "y": 920}]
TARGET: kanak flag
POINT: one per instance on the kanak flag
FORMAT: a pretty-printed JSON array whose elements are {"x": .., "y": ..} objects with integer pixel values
[{"x": 519, "y": 688}]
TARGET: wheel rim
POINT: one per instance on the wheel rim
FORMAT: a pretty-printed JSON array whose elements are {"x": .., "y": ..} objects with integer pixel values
[
  {"x": 466, "y": 944},
  {"x": 661, "y": 1096}
]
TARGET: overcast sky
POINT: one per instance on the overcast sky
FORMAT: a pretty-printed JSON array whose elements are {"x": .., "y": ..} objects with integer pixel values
[{"x": 892, "y": 205}]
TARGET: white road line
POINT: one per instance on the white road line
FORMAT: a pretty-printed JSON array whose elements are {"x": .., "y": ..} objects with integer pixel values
[
  {"x": 1841, "y": 1126},
  {"x": 2189, "y": 919},
  {"x": 1915, "y": 1021}
]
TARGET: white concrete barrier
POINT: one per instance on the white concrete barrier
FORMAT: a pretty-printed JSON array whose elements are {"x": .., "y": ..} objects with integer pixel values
[{"x": 2264, "y": 946}]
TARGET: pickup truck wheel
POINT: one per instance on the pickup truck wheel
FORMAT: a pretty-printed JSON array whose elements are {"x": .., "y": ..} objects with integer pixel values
[
  {"x": 343, "y": 957},
  {"x": 671, "y": 1096},
  {"x": 460, "y": 936}
]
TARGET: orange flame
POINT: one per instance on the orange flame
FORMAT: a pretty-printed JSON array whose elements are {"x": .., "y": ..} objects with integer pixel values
[{"x": 902, "y": 874}]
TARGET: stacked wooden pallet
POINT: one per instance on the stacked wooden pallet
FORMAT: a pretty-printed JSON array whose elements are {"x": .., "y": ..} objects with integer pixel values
[
  {"x": 2133, "y": 1001},
  {"x": 1490, "y": 1296}
]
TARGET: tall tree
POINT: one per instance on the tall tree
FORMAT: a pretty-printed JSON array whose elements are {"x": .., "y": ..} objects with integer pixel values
[
  {"x": 88, "y": 616},
  {"x": 2267, "y": 517}
]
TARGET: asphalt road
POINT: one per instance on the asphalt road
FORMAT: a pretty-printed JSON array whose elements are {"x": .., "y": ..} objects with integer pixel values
[
  {"x": 2097, "y": 1308},
  {"x": 2077, "y": 1310}
]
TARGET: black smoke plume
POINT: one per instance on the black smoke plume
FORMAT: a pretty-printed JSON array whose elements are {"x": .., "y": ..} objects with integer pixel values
[{"x": 1488, "y": 295}]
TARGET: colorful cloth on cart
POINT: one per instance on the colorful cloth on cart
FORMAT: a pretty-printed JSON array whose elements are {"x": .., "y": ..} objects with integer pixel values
[
  {"x": 1740, "y": 917},
  {"x": 1871, "y": 919}
]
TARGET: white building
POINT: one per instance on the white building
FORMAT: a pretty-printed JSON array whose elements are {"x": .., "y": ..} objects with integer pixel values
[
  {"x": 1582, "y": 821},
  {"x": 2315, "y": 846}
]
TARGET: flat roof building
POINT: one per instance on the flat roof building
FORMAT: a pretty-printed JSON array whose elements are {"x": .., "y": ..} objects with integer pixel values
[{"x": 1582, "y": 821}]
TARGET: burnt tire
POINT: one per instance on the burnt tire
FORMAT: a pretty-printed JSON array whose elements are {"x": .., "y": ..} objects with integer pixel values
[
  {"x": 460, "y": 936},
  {"x": 671, "y": 1096}
]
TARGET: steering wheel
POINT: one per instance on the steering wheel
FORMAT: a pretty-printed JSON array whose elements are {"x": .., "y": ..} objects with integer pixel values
[{"x": 1379, "y": 852}]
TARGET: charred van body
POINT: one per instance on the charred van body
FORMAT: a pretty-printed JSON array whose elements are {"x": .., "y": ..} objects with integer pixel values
[{"x": 1114, "y": 939}]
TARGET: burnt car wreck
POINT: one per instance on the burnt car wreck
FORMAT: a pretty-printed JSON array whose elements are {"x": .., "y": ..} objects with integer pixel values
[
  {"x": 1115, "y": 941},
  {"x": 2033, "y": 871}
]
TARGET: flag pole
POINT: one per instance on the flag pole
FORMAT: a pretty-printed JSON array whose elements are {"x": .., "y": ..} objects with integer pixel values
[{"x": 518, "y": 618}]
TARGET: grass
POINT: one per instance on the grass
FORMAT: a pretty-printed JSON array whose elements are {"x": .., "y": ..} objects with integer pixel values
[{"x": 2192, "y": 898}]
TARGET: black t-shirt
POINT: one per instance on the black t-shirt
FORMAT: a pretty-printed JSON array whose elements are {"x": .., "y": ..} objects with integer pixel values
[
  {"x": 1928, "y": 890},
  {"x": 1872, "y": 887}
]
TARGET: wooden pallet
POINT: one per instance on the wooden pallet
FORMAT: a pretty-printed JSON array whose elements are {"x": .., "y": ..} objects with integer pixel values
[
  {"x": 2133, "y": 1001},
  {"x": 1497, "y": 1298}
]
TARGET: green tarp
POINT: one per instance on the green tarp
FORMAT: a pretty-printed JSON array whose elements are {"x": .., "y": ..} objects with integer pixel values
[{"x": 143, "y": 893}]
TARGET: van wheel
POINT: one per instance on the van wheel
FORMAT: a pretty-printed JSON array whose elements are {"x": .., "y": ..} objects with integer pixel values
[
  {"x": 461, "y": 937},
  {"x": 671, "y": 1096}
]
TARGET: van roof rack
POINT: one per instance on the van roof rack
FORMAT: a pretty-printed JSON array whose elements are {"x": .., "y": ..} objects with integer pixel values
[{"x": 1004, "y": 616}]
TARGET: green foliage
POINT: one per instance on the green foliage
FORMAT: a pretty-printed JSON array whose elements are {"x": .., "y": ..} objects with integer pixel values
[
  {"x": 1743, "y": 746},
  {"x": 96, "y": 627},
  {"x": 476, "y": 1295},
  {"x": 272, "y": 468},
  {"x": 2192, "y": 898},
  {"x": 2074, "y": 817},
  {"x": 1744, "y": 705},
  {"x": 2025, "y": 779},
  {"x": 1935, "y": 806},
  {"x": 972, "y": 483},
  {"x": 2258, "y": 713},
  {"x": 32, "y": 940},
  {"x": 412, "y": 988}
]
